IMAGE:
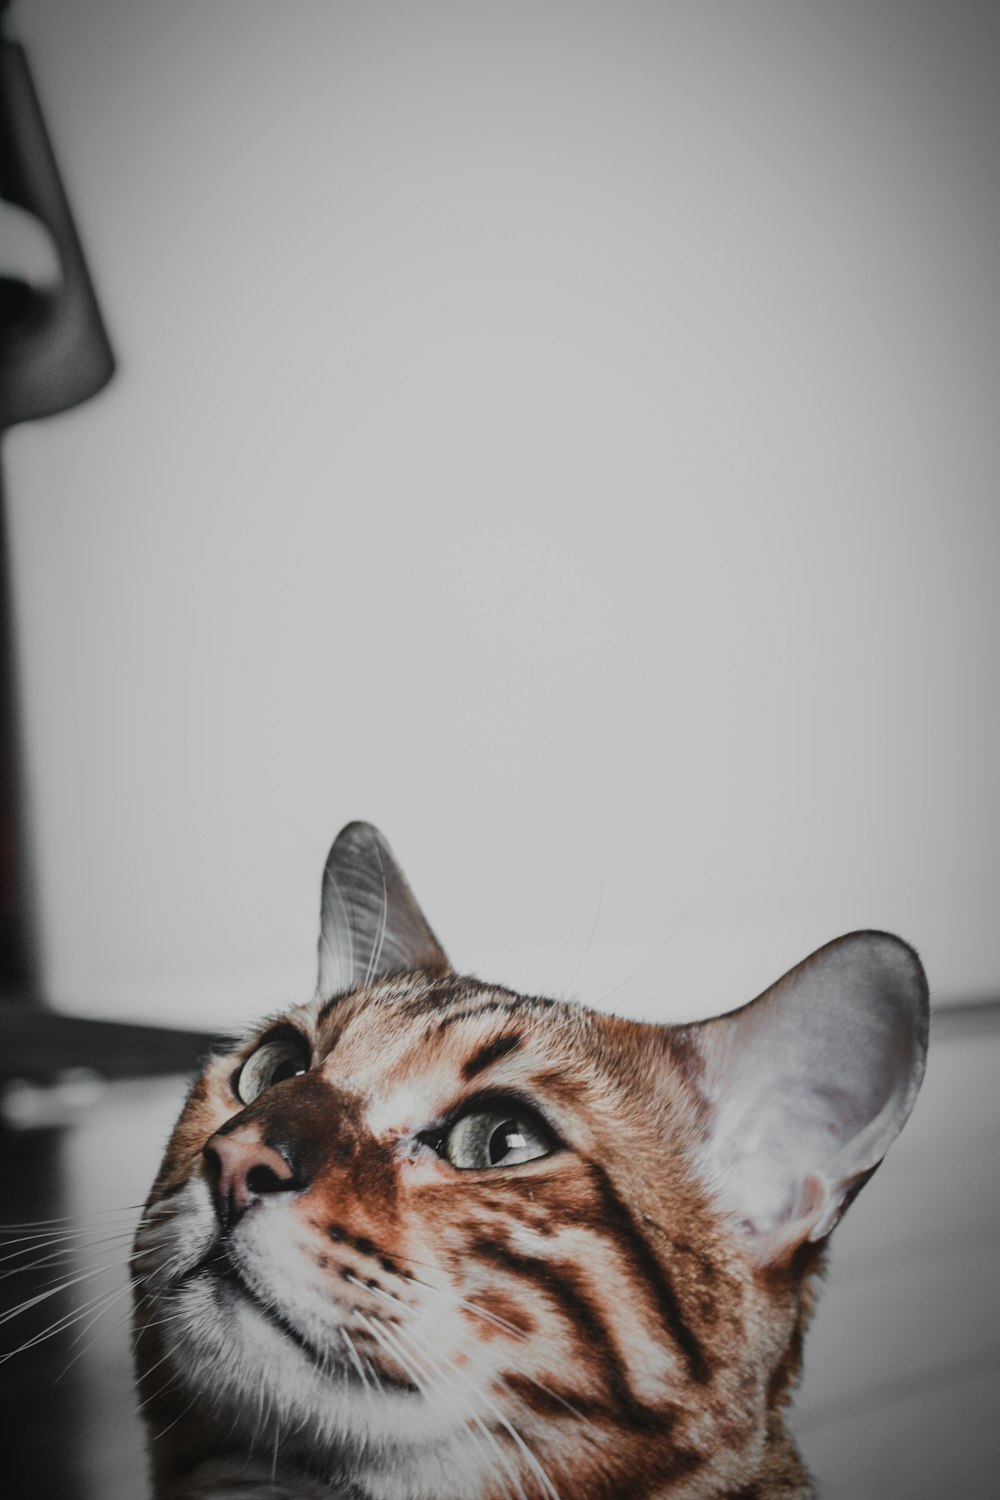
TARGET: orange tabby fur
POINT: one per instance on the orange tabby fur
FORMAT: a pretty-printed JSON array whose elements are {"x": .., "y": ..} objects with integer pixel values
[{"x": 594, "y": 1323}]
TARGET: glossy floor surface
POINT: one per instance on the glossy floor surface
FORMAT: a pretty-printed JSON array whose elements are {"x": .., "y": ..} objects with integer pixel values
[{"x": 902, "y": 1386}]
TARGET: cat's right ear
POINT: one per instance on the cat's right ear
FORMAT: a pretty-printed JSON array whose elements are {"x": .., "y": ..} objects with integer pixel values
[
  {"x": 808, "y": 1085},
  {"x": 370, "y": 923}
]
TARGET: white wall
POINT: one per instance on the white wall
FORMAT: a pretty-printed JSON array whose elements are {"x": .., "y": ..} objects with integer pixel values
[{"x": 563, "y": 433}]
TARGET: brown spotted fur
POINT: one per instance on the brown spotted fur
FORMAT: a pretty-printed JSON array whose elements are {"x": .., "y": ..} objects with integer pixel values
[{"x": 619, "y": 1339}]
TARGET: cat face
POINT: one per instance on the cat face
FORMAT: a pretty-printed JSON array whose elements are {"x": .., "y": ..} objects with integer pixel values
[{"x": 423, "y": 1238}]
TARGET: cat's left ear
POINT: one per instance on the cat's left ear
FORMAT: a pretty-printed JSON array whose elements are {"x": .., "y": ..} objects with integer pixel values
[
  {"x": 370, "y": 923},
  {"x": 808, "y": 1086}
]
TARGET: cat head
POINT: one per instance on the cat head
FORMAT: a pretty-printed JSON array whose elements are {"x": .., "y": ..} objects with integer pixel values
[{"x": 427, "y": 1239}]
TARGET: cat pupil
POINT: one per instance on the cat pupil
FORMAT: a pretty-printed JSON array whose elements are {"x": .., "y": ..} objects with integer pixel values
[
  {"x": 288, "y": 1068},
  {"x": 506, "y": 1137}
]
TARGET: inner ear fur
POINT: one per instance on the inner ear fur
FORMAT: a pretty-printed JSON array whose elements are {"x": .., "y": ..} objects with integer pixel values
[
  {"x": 808, "y": 1086},
  {"x": 370, "y": 923}
]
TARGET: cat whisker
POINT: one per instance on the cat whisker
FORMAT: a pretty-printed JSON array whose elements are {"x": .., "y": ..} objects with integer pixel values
[
  {"x": 606, "y": 995},
  {"x": 41, "y": 1238},
  {"x": 128, "y": 1208},
  {"x": 474, "y": 1422},
  {"x": 373, "y": 1371},
  {"x": 548, "y": 1488},
  {"x": 439, "y": 1358},
  {"x": 473, "y": 1307},
  {"x": 61, "y": 1285},
  {"x": 258, "y": 1426},
  {"x": 553, "y": 968},
  {"x": 394, "y": 1345},
  {"x": 56, "y": 1253},
  {"x": 107, "y": 1331},
  {"x": 85, "y": 1273},
  {"x": 489, "y": 1317},
  {"x": 115, "y": 1295},
  {"x": 126, "y": 1406},
  {"x": 179, "y": 1417},
  {"x": 61, "y": 1324},
  {"x": 503, "y": 1324},
  {"x": 414, "y": 1339},
  {"x": 449, "y": 1293},
  {"x": 533, "y": 1463},
  {"x": 356, "y": 1361},
  {"x": 151, "y": 1323},
  {"x": 382, "y": 1336},
  {"x": 171, "y": 1379},
  {"x": 263, "y": 1413},
  {"x": 590, "y": 939},
  {"x": 42, "y": 1263},
  {"x": 274, "y": 1452}
]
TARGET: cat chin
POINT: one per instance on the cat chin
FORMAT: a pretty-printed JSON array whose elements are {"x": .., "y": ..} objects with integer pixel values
[
  {"x": 230, "y": 1353},
  {"x": 231, "y": 1350},
  {"x": 245, "y": 1479},
  {"x": 250, "y": 1380},
  {"x": 272, "y": 1334},
  {"x": 220, "y": 1481}
]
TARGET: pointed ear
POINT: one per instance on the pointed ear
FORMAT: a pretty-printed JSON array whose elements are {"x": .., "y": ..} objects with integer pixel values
[
  {"x": 370, "y": 924},
  {"x": 809, "y": 1085}
]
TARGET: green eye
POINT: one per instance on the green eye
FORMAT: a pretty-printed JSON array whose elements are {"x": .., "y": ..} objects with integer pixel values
[
  {"x": 280, "y": 1058},
  {"x": 497, "y": 1136}
]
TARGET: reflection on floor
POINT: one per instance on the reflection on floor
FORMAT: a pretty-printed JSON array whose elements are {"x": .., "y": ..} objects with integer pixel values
[{"x": 902, "y": 1379}]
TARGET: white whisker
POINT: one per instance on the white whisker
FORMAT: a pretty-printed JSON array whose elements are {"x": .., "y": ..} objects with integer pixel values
[
  {"x": 393, "y": 1344},
  {"x": 590, "y": 940},
  {"x": 60, "y": 1286},
  {"x": 356, "y": 1361},
  {"x": 55, "y": 1254},
  {"x": 129, "y": 1208}
]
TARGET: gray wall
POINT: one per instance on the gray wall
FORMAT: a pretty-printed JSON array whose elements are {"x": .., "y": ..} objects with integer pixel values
[{"x": 563, "y": 433}]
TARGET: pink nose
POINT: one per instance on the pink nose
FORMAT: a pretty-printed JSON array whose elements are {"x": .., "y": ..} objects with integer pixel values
[{"x": 241, "y": 1169}]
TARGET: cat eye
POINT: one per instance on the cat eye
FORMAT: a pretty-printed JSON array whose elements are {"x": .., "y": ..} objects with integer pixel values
[
  {"x": 275, "y": 1060},
  {"x": 497, "y": 1135}
]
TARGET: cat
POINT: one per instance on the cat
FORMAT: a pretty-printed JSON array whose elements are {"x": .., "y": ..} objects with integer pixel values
[{"x": 422, "y": 1238}]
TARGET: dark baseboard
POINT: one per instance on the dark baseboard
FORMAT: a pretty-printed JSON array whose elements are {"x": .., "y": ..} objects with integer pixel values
[
  {"x": 39, "y": 1045},
  {"x": 965, "y": 1018}
]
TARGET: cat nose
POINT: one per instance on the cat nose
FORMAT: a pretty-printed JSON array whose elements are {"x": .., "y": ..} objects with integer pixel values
[{"x": 241, "y": 1169}]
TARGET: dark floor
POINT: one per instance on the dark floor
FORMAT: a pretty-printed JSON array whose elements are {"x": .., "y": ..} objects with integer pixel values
[{"x": 902, "y": 1389}]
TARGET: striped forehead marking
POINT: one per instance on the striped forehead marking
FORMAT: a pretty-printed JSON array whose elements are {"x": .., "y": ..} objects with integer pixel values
[
  {"x": 410, "y": 1072},
  {"x": 489, "y": 1053}
]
